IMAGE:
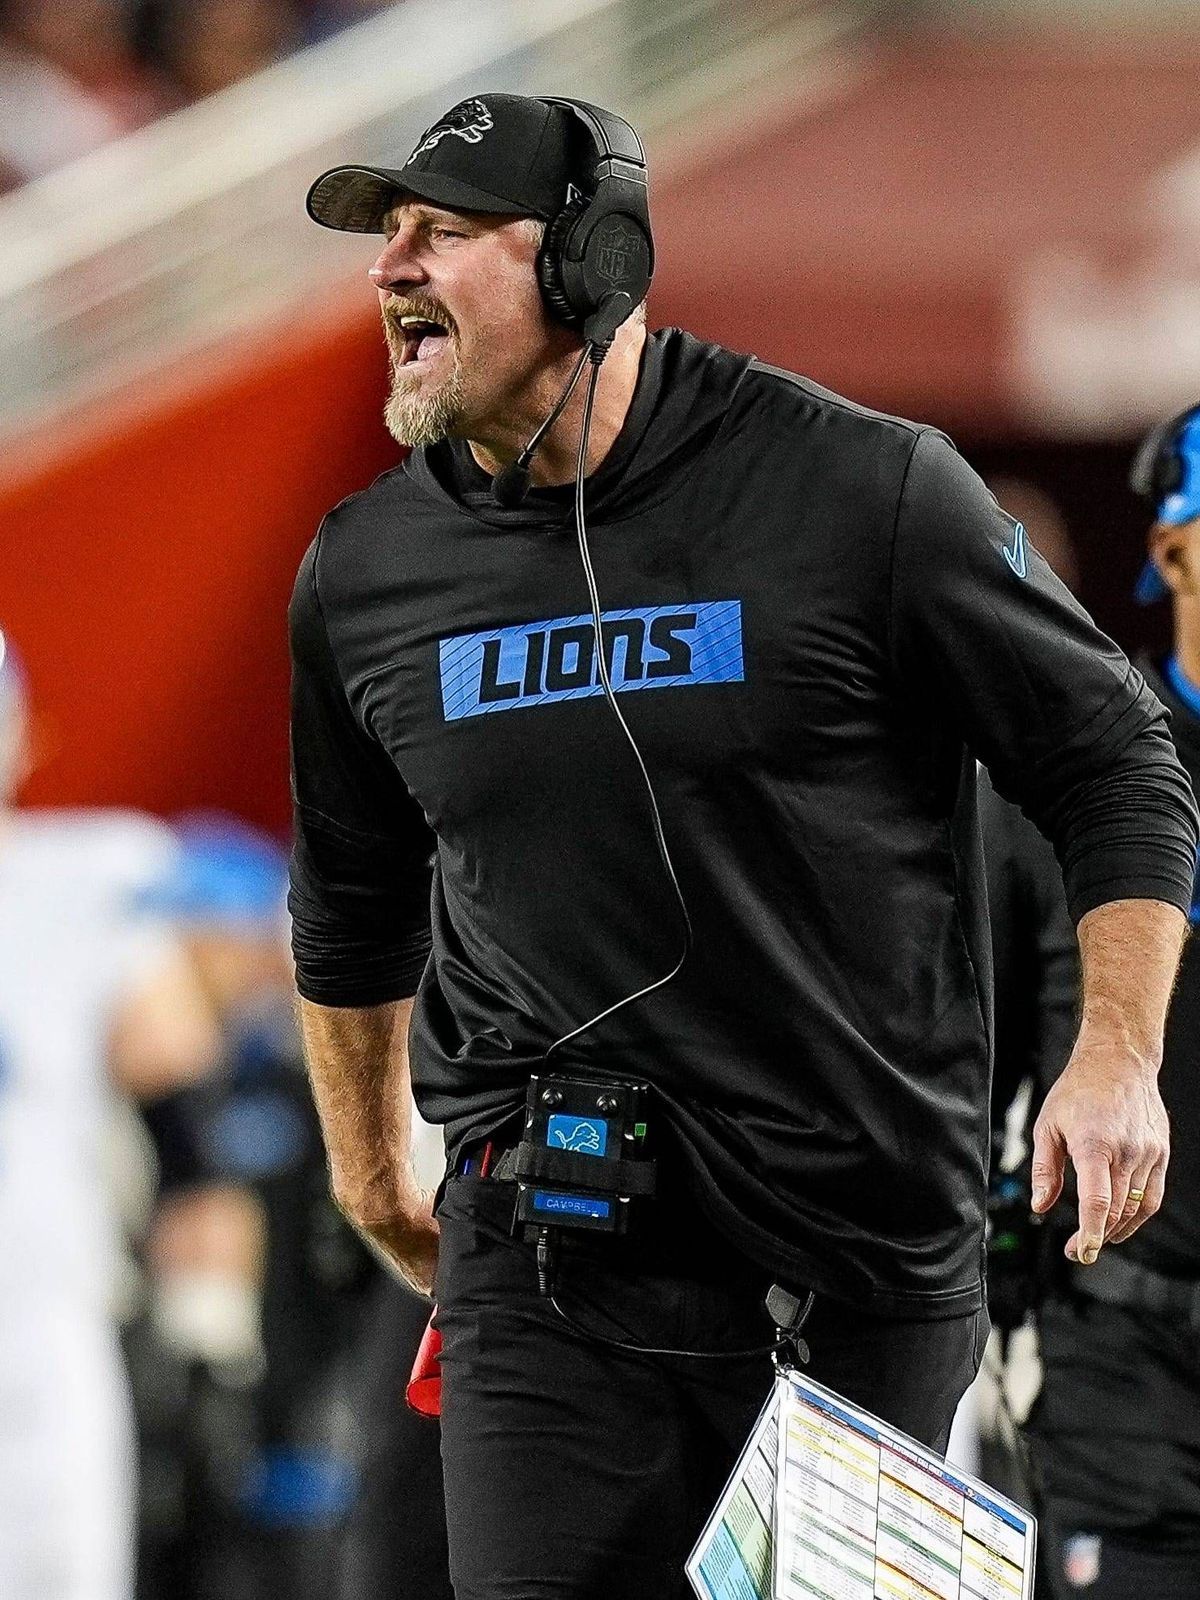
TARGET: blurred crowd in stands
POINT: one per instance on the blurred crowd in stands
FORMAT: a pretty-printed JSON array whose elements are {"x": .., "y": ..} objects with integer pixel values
[{"x": 76, "y": 73}]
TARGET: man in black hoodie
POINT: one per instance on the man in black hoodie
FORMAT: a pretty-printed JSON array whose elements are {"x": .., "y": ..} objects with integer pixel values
[
  {"x": 1116, "y": 1430},
  {"x": 814, "y": 618}
]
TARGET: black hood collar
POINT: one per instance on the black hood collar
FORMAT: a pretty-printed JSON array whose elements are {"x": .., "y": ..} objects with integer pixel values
[{"x": 684, "y": 390}]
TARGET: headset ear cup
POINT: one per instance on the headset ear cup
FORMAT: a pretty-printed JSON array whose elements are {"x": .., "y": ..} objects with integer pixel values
[
  {"x": 550, "y": 265},
  {"x": 1144, "y": 471},
  {"x": 1168, "y": 475},
  {"x": 1157, "y": 469}
]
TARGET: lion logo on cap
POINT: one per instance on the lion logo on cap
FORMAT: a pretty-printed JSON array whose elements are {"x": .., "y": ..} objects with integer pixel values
[{"x": 469, "y": 120}]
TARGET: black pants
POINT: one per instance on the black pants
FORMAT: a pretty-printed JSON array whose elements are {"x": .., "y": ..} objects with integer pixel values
[
  {"x": 576, "y": 1472},
  {"x": 1112, "y": 1567},
  {"x": 1116, "y": 1441},
  {"x": 395, "y": 1542}
]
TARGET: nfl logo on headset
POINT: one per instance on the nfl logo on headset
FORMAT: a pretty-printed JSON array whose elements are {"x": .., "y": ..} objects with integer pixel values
[
  {"x": 617, "y": 246},
  {"x": 1081, "y": 1559}
]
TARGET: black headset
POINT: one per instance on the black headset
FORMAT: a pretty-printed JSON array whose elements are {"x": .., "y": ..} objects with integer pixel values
[
  {"x": 1157, "y": 469},
  {"x": 597, "y": 258}
]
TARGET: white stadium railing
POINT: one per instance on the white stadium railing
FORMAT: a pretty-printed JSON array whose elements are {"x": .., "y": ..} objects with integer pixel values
[{"x": 177, "y": 237}]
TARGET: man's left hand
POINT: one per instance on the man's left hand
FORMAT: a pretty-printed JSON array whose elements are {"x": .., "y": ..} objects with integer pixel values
[{"x": 1106, "y": 1115}]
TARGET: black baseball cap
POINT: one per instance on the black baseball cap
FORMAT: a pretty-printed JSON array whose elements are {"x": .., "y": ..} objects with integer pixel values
[{"x": 505, "y": 153}]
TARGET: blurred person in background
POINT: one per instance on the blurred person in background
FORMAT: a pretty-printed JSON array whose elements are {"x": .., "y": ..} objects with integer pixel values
[
  {"x": 69, "y": 83},
  {"x": 288, "y": 1344},
  {"x": 196, "y": 1358},
  {"x": 1115, "y": 1432},
  {"x": 89, "y": 989}
]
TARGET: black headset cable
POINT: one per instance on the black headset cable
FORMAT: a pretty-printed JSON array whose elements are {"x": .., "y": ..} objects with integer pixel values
[
  {"x": 777, "y": 1344},
  {"x": 511, "y": 485},
  {"x": 596, "y": 354}
]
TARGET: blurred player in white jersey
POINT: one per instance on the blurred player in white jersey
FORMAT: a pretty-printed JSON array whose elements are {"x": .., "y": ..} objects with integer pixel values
[{"x": 86, "y": 989}]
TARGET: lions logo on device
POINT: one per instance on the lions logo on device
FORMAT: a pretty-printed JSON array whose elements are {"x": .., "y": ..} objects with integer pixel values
[{"x": 581, "y": 1137}]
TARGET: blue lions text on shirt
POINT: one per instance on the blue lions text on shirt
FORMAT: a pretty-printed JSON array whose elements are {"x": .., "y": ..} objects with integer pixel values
[{"x": 538, "y": 663}]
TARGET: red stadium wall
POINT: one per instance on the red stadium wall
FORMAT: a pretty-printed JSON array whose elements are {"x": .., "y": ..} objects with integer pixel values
[{"x": 150, "y": 560}]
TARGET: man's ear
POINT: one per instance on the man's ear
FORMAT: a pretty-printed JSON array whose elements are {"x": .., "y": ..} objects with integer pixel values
[{"x": 1175, "y": 551}]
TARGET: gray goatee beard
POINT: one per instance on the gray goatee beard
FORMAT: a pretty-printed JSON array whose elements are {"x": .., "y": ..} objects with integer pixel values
[{"x": 419, "y": 419}]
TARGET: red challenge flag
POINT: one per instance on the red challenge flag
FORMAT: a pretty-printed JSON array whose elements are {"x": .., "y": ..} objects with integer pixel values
[{"x": 424, "y": 1391}]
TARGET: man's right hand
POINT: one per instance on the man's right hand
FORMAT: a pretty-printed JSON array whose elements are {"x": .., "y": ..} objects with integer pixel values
[
  {"x": 358, "y": 1065},
  {"x": 406, "y": 1240}
]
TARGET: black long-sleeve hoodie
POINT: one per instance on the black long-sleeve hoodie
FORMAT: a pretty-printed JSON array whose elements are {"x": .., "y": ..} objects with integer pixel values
[{"x": 816, "y": 618}]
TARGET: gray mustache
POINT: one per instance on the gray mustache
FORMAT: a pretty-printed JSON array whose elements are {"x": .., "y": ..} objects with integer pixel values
[{"x": 414, "y": 306}]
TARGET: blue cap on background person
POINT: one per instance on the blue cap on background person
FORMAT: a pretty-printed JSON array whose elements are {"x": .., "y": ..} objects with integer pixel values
[
  {"x": 224, "y": 872},
  {"x": 1166, "y": 472}
]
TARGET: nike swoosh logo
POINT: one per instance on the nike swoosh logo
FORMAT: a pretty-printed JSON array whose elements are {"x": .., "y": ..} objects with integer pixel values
[{"x": 1016, "y": 557}]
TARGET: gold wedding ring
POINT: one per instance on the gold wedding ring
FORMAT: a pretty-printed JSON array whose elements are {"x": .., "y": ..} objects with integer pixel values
[{"x": 1137, "y": 1194}]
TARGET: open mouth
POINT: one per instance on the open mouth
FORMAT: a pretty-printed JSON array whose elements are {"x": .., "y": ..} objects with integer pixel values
[{"x": 424, "y": 340}]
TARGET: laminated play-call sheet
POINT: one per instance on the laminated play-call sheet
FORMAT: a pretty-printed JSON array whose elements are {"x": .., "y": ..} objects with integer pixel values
[
  {"x": 862, "y": 1512},
  {"x": 735, "y": 1556}
]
